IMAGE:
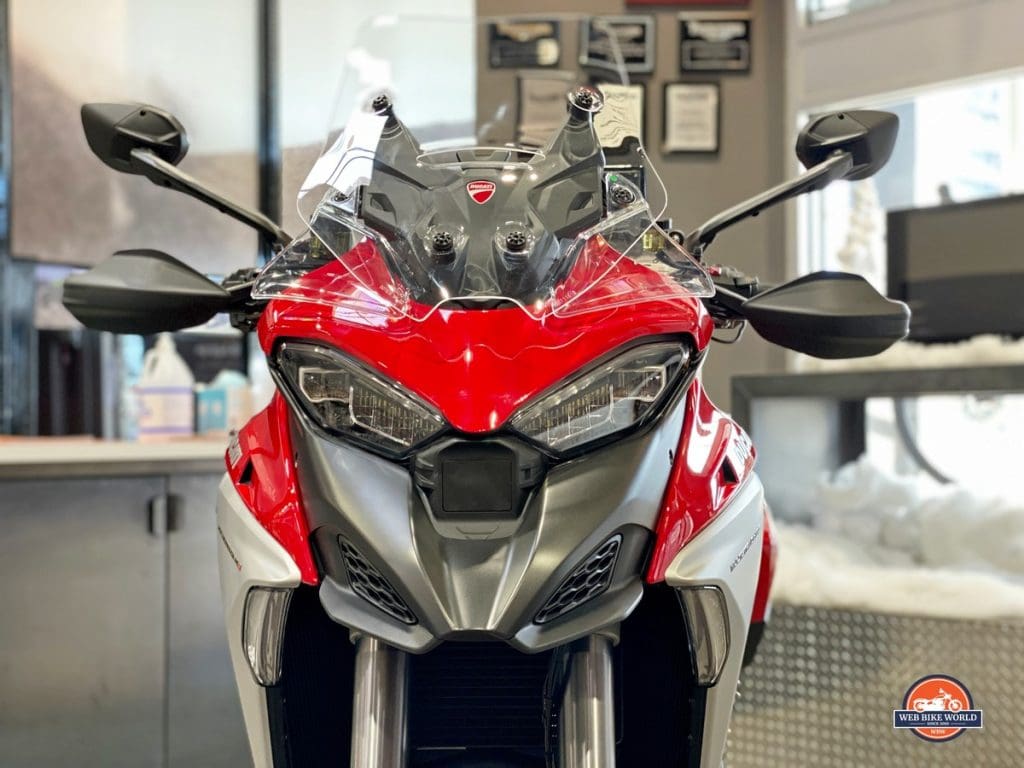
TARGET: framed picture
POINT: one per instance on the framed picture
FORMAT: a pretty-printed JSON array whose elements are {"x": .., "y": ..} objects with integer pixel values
[
  {"x": 623, "y": 114},
  {"x": 524, "y": 44},
  {"x": 692, "y": 118},
  {"x": 714, "y": 42},
  {"x": 543, "y": 102},
  {"x": 634, "y": 36}
]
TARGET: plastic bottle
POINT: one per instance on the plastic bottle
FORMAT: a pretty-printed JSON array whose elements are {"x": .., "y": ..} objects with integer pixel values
[
  {"x": 224, "y": 405},
  {"x": 164, "y": 393}
]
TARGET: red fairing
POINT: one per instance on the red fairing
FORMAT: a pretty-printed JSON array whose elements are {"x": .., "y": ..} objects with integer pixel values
[
  {"x": 477, "y": 367},
  {"x": 714, "y": 458},
  {"x": 769, "y": 556},
  {"x": 269, "y": 489}
]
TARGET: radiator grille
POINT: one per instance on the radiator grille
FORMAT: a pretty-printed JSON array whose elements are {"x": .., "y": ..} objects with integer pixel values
[
  {"x": 477, "y": 695},
  {"x": 589, "y": 580},
  {"x": 367, "y": 582}
]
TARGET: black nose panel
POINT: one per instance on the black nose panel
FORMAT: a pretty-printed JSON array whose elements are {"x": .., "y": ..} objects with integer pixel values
[{"x": 478, "y": 480}]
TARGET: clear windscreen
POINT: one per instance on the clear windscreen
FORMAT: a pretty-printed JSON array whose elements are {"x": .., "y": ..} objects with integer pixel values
[{"x": 477, "y": 164}]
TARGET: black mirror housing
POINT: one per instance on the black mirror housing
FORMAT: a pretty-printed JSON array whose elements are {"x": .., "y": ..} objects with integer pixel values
[
  {"x": 143, "y": 291},
  {"x": 114, "y": 130},
  {"x": 868, "y": 135},
  {"x": 829, "y": 315}
]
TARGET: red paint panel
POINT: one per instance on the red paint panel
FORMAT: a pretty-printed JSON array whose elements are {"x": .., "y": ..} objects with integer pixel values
[
  {"x": 713, "y": 459},
  {"x": 769, "y": 556},
  {"x": 270, "y": 489},
  {"x": 477, "y": 367}
]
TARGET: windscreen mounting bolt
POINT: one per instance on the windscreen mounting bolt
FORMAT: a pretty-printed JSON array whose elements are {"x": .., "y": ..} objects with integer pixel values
[
  {"x": 442, "y": 246},
  {"x": 515, "y": 241},
  {"x": 584, "y": 101},
  {"x": 381, "y": 104},
  {"x": 622, "y": 195}
]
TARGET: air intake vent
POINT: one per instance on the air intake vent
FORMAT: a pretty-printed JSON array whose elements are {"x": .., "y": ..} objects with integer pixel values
[
  {"x": 588, "y": 581},
  {"x": 367, "y": 582}
]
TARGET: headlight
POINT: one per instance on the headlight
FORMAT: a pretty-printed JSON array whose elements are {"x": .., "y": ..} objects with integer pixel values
[
  {"x": 607, "y": 400},
  {"x": 347, "y": 399}
]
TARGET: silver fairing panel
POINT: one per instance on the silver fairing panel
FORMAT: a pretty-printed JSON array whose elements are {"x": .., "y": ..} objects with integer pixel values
[
  {"x": 725, "y": 555},
  {"x": 484, "y": 585}
]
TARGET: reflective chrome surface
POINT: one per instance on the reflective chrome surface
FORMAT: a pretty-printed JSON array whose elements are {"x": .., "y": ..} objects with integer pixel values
[
  {"x": 587, "y": 720},
  {"x": 379, "y": 707}
]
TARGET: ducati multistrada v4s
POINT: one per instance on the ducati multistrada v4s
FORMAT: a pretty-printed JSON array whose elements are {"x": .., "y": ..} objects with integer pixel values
[{"x": 490, "y": 517}]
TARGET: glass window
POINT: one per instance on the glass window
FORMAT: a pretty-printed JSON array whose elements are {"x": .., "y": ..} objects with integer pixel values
[{"x": 956, "y": 143}]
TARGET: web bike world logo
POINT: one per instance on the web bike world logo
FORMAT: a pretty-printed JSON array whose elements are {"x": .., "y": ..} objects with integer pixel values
[{"x": 937, "y": 708}]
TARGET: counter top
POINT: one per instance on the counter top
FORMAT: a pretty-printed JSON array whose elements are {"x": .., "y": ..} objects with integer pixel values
[{"x": 52, "y": 457}]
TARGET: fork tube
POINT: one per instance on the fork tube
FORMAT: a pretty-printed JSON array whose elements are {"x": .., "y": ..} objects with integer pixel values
[
  {"x": 379, "y": 706},
  {"x": 587, "y": 724}
]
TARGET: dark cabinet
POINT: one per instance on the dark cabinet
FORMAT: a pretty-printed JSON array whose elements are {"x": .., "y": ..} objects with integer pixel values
[{"x": 112, "y": 644}]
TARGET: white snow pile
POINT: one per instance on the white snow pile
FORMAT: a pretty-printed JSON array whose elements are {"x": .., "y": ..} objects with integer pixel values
[
  {"x": 986, "y": 349},
  {"x": 884, "y": 543}
]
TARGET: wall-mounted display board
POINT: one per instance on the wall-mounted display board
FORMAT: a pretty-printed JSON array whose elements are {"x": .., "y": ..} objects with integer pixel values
[
  {"x": 714, "y": 41},
  {"x": 542, "y": 103},
  {"x": 623, "y": 114},
  {"x": 692, "y": 118},
  {"x": 633, "y": 35},
  {"x": 524, "y": 44}
]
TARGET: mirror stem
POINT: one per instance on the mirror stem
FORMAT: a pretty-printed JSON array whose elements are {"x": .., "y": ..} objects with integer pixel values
[
  {"x": 818, "y": 177},
  {"x": 166, "y": 175}
]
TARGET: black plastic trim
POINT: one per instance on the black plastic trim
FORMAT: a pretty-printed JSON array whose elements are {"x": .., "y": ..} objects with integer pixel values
[{"x": 754, "y": 635}]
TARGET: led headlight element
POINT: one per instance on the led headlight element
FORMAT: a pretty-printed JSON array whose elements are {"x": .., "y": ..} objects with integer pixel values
[
  {"x": 604, "y": 401},
  {"x": 344, "y": 397}
]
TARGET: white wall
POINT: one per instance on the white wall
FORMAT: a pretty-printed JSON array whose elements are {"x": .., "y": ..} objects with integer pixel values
[{"x": 907, "y": 44}]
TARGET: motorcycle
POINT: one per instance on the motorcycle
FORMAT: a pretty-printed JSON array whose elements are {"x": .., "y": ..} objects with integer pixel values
[
  {"x": 944, "y": 701},
  {"x": 490, "y": 516}
]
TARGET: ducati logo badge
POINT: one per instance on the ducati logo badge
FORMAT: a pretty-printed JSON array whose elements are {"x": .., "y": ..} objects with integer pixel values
[{"x": 481, "y": 191}]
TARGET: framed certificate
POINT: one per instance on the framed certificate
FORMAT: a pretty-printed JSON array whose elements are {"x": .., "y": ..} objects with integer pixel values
[
  {"x": 515, "y": 44},
  {"x": 622, "y": 115},
  {"x": 543, "y": 102},
  {"x": 714, "y": 42},
  {"x": 633, "y": 36},
  {"x": 692, "y": 117}
]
